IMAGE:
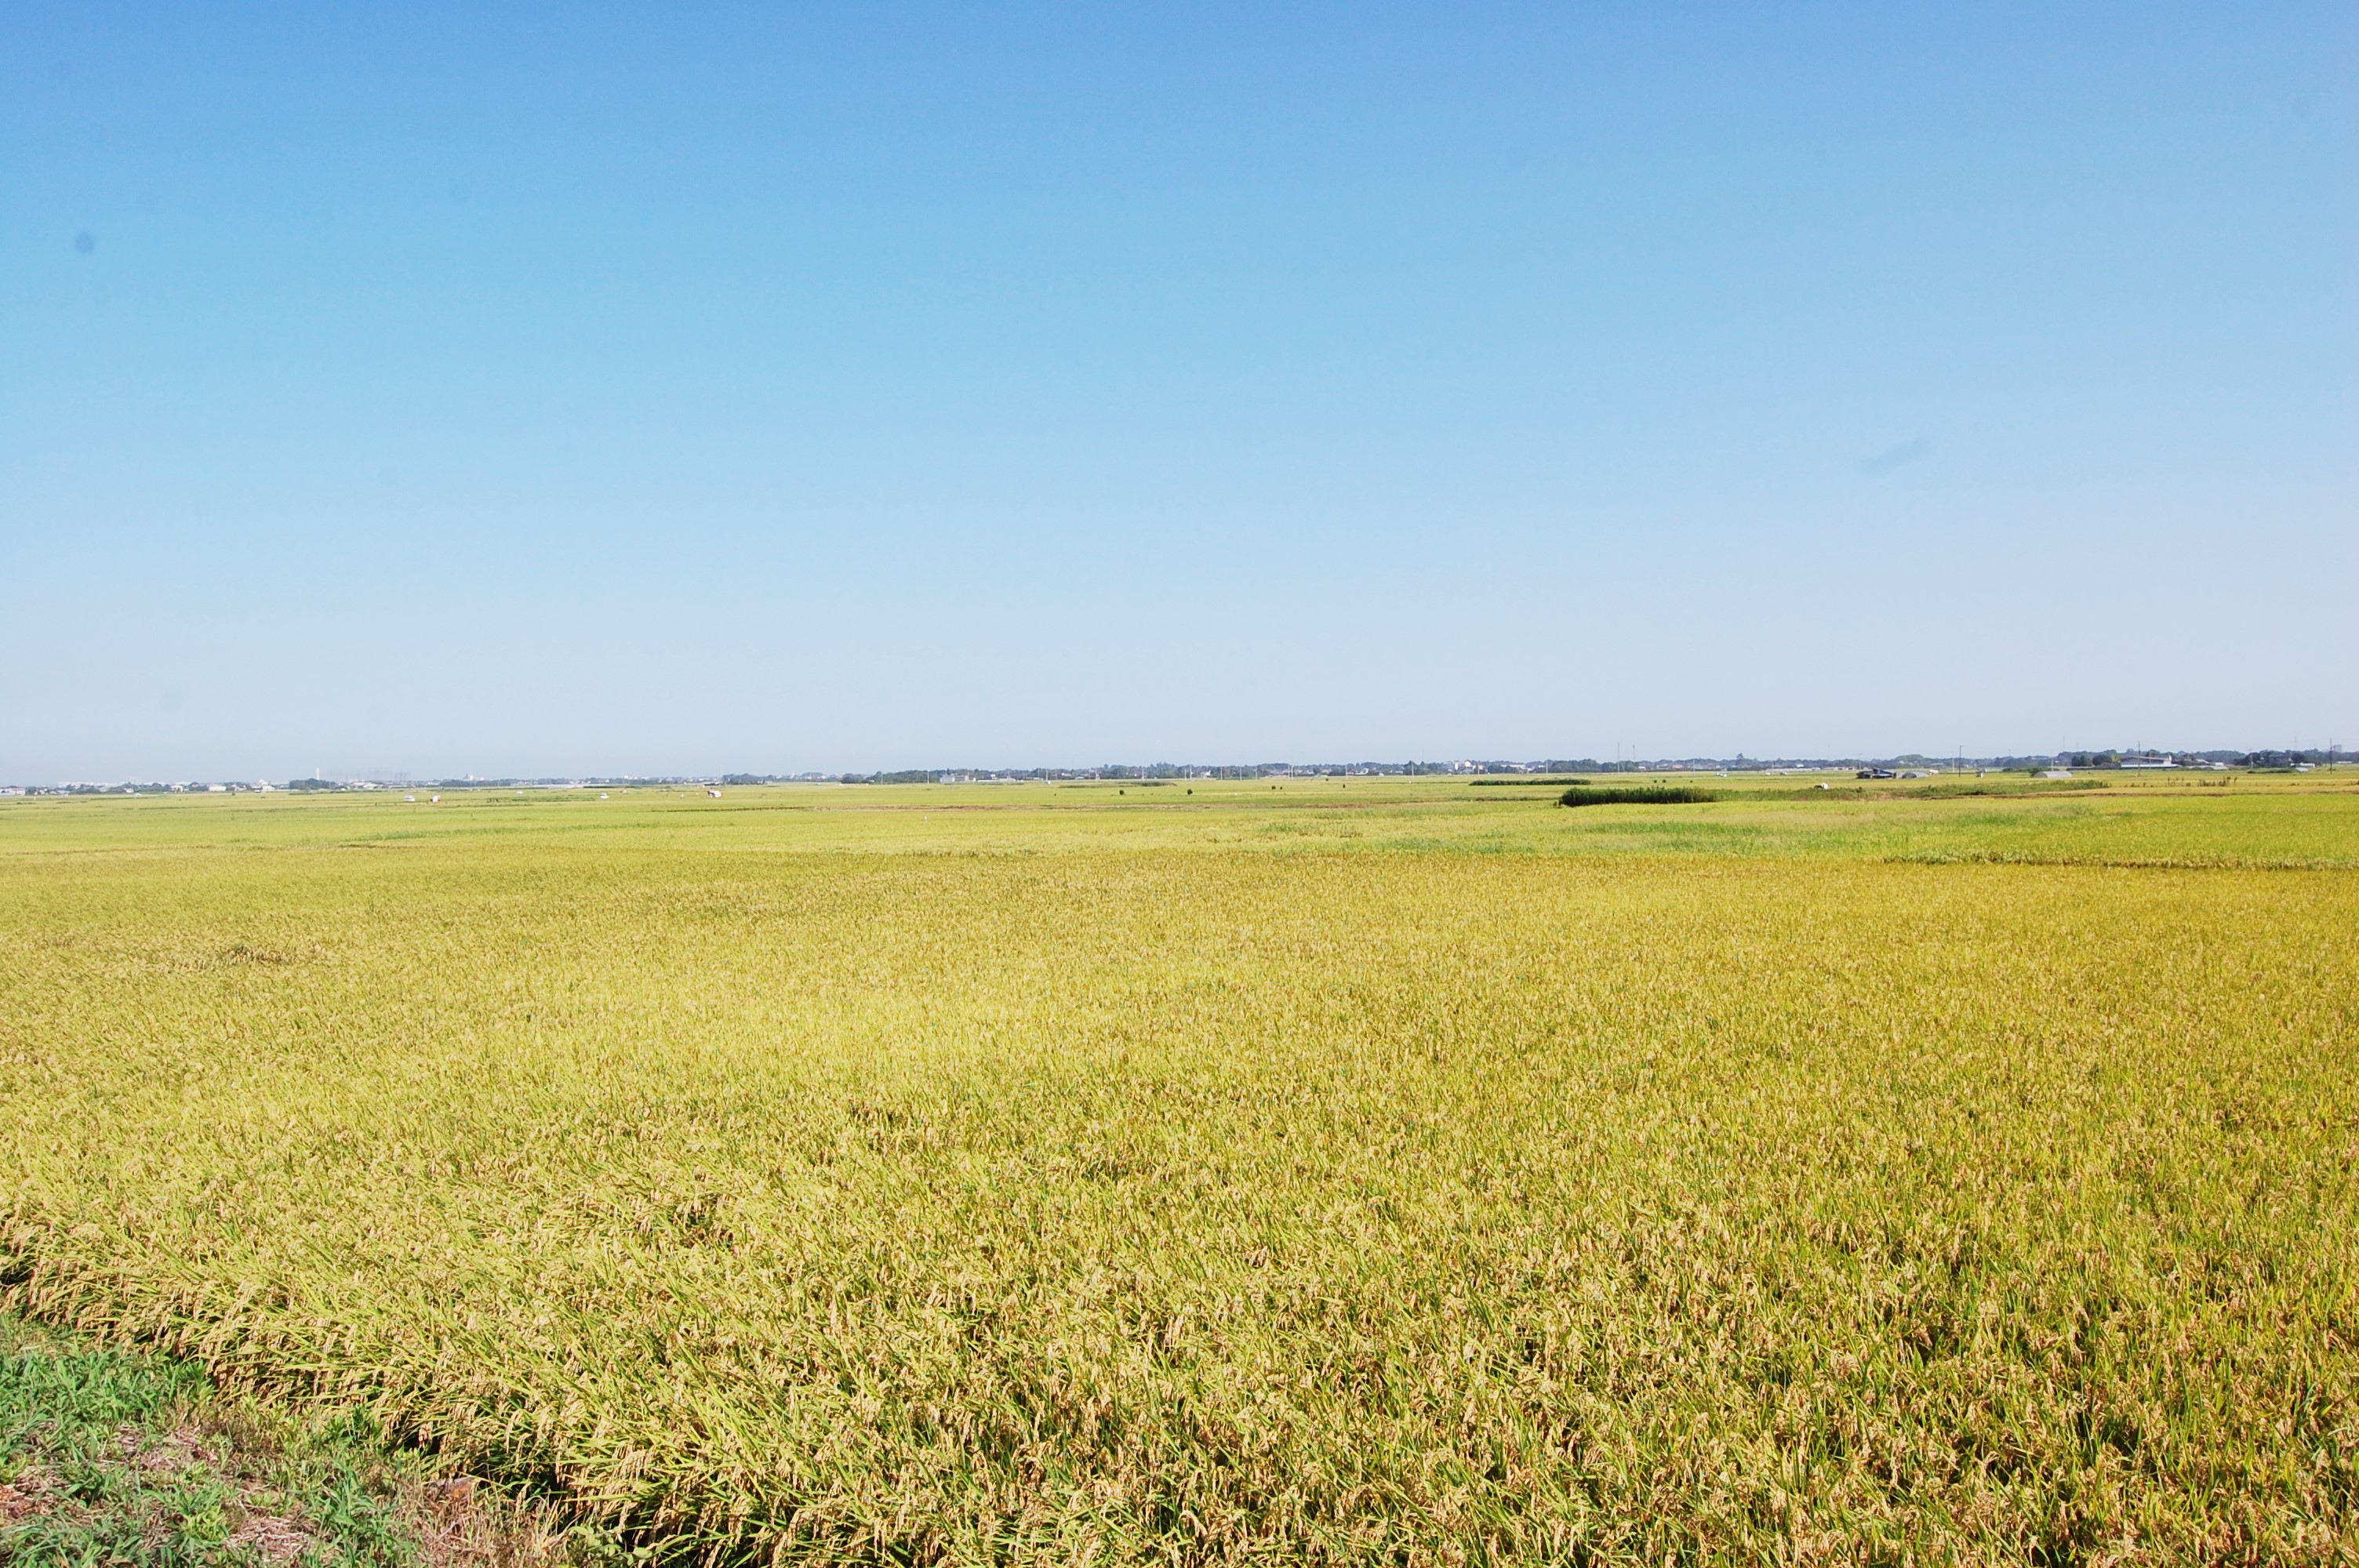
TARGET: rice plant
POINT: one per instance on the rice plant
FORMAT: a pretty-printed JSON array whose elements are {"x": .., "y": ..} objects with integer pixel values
[{"x": 906, "y": 1175}]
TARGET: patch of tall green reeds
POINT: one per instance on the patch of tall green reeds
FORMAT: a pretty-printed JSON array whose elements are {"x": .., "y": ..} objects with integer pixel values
[{"x": 1637, "y": 794}]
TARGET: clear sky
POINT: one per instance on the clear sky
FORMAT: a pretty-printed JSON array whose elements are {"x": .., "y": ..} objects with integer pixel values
[{"x": 585, "y": 388}]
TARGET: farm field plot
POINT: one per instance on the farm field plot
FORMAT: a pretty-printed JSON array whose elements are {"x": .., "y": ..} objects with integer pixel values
[{"x": 1405, "y": 1171}]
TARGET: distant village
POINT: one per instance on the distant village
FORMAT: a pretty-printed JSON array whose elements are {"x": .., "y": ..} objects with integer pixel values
[{"x": 1907, "y": 766}]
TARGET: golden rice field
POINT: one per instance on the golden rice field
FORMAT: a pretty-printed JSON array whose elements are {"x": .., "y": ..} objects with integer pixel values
[{"x": 1409, "y": 1172}]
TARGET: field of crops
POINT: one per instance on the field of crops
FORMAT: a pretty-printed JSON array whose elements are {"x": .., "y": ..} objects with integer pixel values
[{"x": 1278, "y": 1171}]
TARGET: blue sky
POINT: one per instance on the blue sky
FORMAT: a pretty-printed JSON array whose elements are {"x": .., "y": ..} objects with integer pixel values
[{"x": 592, "y": 388}]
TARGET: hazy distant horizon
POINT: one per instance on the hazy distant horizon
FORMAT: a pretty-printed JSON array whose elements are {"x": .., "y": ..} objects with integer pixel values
[{"x": 396, "y": 776}]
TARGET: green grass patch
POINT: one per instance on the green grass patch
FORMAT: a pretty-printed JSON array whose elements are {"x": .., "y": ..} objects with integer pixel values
[{"x": 115, "y": 1458}]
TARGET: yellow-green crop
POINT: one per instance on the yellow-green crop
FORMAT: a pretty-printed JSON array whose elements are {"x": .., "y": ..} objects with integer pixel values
[{"x": 1402, "y": 1172}]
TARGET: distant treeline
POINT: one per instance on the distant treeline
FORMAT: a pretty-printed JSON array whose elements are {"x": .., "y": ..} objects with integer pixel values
[{"x": 1550, "y": 773}]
